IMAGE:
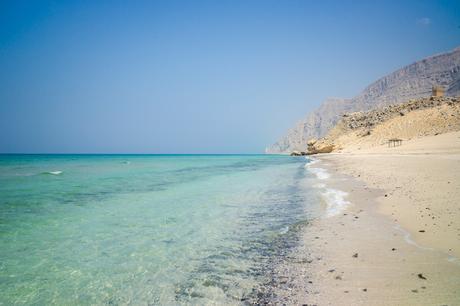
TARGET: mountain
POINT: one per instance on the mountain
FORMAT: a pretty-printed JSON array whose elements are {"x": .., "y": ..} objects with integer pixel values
[{"x": 410, "y": 82}]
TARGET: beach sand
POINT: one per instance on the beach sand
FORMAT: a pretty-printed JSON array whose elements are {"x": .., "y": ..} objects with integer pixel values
[{"x": 397, "y": 243}]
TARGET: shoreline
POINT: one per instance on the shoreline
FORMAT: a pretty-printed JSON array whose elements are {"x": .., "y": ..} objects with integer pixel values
[
  {"x": 372, "y": 253},
  {"x": 421, "y": 183}
]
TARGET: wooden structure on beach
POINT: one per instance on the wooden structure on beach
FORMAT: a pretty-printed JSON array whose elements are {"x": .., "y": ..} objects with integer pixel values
[
  {"x": 394, "y": 142},
  {"x": 437, "y": 91}
]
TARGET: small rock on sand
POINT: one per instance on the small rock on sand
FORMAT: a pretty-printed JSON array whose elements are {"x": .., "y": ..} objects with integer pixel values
[{"x": 420, "y": 275}]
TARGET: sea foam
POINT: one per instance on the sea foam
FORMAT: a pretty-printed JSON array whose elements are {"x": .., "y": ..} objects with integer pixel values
[
  {"x": 320, "y": 173},
  {"x": 335, "y": 199},
  {"x": 54, "y": 172}
]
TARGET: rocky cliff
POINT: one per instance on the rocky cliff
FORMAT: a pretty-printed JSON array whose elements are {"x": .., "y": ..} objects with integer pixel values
[{"x": 410, "y": 82}]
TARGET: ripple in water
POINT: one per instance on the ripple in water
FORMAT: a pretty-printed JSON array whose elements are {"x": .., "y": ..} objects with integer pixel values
[{"x": 165, "y": 230}]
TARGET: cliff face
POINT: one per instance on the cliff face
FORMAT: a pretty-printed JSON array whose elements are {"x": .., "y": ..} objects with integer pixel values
[{"x": 411, "y": 82}]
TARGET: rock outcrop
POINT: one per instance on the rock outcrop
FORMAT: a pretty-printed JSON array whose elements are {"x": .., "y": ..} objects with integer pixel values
[
  {"x": 297, "y": 153},
  {"x": 320, "y": 148},
  {"x": 411, "y": 82}
]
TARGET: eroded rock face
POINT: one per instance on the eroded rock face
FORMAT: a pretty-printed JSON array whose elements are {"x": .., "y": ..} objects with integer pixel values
[
  {"x": 370, "y": 119},
  {"x": 323, "y": 148},
  {"x": 411, "y": 82}
]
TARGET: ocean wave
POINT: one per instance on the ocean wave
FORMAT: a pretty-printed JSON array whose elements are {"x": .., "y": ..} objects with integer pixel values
[
  {"x": 311, "y": 161},
  {"x": 320, "y": 173},
  {"x": 335, "y": 200},
  {"x": 53, "y": 172}
]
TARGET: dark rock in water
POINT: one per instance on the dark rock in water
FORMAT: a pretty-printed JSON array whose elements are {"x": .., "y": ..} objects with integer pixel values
[
  {"x": 420, "y": 275},
  {"x": 298, "y": 153},
  {"x": 355, "y": 255}
]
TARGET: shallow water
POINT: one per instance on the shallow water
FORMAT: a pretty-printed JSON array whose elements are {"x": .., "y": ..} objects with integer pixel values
[{"x": 146, "y": 229}]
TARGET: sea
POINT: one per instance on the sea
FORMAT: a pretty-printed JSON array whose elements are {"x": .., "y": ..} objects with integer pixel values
[{"x": 151, "y": 229}]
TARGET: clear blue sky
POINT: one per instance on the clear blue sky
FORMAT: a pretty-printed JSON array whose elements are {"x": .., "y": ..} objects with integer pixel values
[{"x": 195, "y": 76}]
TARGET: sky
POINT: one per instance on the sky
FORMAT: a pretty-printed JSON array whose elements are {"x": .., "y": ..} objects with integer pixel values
[{"x": 195, "y": 76}]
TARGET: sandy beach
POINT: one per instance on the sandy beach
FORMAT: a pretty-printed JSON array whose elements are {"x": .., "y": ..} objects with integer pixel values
[{"x": 398, "y": 240}]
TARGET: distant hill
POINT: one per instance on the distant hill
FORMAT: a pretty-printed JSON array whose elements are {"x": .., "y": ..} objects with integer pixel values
[
  {"x": 413, "y": 119},
  {"x": 411, "y": 82}
]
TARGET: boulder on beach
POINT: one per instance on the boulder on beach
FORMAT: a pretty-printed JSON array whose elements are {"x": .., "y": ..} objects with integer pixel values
[{"x": 320, "y": 149}]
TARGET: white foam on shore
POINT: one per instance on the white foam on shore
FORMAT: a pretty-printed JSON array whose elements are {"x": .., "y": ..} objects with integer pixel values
[
  {"x": 319, "y": 185},
  {"x": 320, "y": 173},
  {"x": 335, "y": 200}
]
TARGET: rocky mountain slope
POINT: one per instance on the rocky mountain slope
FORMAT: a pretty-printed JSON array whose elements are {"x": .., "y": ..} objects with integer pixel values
[
  {"x": 413, "y": 119},
  {"x": 410, "y": 82}
]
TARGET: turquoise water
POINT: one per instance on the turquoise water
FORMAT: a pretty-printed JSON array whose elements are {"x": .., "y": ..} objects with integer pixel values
[{"x": 145, "y": 229}]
